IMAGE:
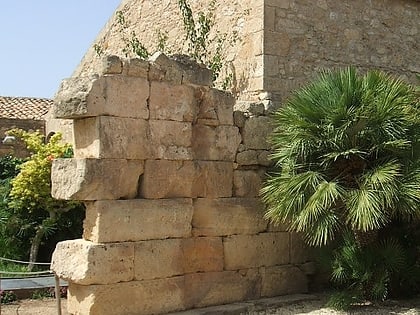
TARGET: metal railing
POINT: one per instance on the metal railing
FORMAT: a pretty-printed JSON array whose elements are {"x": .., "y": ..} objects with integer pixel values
[{"x": 44, "y": 273}]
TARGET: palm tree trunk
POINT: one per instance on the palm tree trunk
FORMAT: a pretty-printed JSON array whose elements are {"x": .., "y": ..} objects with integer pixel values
[
  {"x": 36, "y": 242},
  {"x": 365, "y": 238}
]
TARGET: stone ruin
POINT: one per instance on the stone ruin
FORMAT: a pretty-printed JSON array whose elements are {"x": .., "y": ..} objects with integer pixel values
[{"x": 170, "y": 175}]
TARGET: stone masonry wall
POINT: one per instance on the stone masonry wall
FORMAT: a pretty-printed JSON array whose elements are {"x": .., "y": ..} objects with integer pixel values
[
  {"x": 170, "y": 176},
  {"x": 283, "y": 43}
]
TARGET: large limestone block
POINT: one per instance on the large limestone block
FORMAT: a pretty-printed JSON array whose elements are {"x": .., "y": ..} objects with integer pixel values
[
  {"x": 83, "y": 262},
  {"x": 247, "y": 183},
  {"x": 181, "y": 69},
  {"x": 171, "y": 140},
  {"x": 172, "y": 179},
  {"x": 216, "y": 108},
  {"x": 215, "y": 288},
  {"x": 137, "y": 220},
  {"x": 173, "y": 257},
  {"x": 128, "y": 298},
  {"x": 228, "y": 216},
  {"x": 255, "y": 133},
  {"x": 112, "y": 95},
  {"x": 215, "y": 143},
  {"x": 95, "y": 179},
  {"x": 282, "y": 280},
  {"x": 299, "y": 251},
  {"x": 172, "y": 102},
  {"x": 112, "y": 138},
  {"x": 249, "y": 251}
]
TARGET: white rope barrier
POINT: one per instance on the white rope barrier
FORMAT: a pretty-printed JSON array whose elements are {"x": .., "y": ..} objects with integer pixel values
[
  {"x": 24, "y": 262},
  {"x": 32, "y": 273}
]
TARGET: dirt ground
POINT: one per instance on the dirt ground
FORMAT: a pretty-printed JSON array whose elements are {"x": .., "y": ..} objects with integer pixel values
[{"x": 311, "y": 307}]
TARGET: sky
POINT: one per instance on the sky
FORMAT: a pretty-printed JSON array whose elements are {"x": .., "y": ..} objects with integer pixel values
[{"x": 43, "y": 41}]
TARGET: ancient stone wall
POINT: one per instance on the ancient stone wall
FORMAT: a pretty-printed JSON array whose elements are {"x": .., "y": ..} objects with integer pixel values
[
  {"x": 170, "y": 177},
  {"x": 284, "y": 42}
]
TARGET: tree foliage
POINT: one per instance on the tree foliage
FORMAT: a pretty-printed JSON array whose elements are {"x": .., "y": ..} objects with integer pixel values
[
  {"x": 30, "y": 210},
  {"x": 347, "y": 168}
]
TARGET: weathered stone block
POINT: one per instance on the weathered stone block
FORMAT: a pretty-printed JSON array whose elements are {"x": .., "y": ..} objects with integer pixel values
[
  {"x": 247, "y": 183},
  {"x": 168, "y": 179},
  {"x": 172, "y": 102},
  {"x": 112, "y": 64},
  {"x": 172, "y": 257},
  {"x": 137, "y": 297},
  {"x": 249, "y": 251},
  {"x": 248, "y": 157},
  {"x": 215, "y": 143},
  {"x": 180, "y": 69},
  {"x": 171, "y": 179},
  {"x": 217, "y": 106},
  {"x": 137, "y": 220},
  {"x": 83, "y": 262},
  {"x": 215, "y": 288},
  {"x": 137, "y": 67},
  {"x": 111, "y": 138},
  {"x": 214, "y": 179},
  {"x": 282, "y": 280},
  {"x": 103, "y": 96},
  {"x": 255, "y": 133},
  {"x": 83, "y": 179},
  {"x": 228, "y": 216},
  {"x": 171, "y": 140},
  {"x": 299, "y": 251}
]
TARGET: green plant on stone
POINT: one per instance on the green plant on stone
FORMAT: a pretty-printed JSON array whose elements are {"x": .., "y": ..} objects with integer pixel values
[
  {"x": 7, "y": 297},
  {"x": 346, "y": 149}
]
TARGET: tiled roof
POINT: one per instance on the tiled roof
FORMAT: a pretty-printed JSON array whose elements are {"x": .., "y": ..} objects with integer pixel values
[{"x": 24, "y": 107}]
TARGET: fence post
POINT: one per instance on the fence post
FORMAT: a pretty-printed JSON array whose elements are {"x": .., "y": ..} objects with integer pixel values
[{"x": 57, "y": 294}]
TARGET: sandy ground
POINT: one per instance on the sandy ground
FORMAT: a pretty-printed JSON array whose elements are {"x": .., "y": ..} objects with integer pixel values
[{"x": 312, "y": 307}]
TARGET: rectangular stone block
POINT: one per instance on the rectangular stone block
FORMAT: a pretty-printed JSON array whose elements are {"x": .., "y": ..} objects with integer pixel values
[
  {"x": 172, "y": 102},
  {"x": 215, "y": 288},
  {"x": 282, "y": 280},
  {"x": 175, "y": 179},
  {"x": 299, "y": 251},
  {"x": 83, "y": 262},
  {"x": 109, "y": 137},
  {"x": 83, "y": 179},
  {"x": 216, "y": 107},
  {"x": 250, "y": 251},
  {"x": 215, "y": 143},
  {"x": 228, "y": 216},
  {"x": 171, "y": 140},
  {"x": 137, "y": 297},
  {"x": 214, "y": 180},
  {"x": 103, "y": 96},
  {"x": 174, "y": 257},
  {"x": 255, "y": 133},
  {"x": 247, "y": 183},
  {"x": 137, "y": 220}
]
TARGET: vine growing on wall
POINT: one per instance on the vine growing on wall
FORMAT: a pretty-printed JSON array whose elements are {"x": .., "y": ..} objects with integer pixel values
[{"x": 205, "y": 43}]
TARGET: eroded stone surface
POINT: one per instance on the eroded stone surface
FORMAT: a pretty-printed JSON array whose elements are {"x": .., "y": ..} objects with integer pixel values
[
  {"x": 228, "y": 216},
  {"x": 250, "y": 251},
  {"x": 137, "y": 220},
  {"x": 95, "y": 179},
  {"x": 83, "y": 262}
]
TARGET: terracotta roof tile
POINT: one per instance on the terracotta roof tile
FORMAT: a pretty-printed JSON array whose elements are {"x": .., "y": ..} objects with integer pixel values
[{"x": 24, "y": 107}]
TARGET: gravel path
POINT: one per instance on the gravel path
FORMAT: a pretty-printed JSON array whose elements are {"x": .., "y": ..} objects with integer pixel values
[{"x": 314, "y": 306}]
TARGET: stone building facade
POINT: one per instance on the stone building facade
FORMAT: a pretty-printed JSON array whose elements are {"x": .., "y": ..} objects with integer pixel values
[{"x": 282, "y": 43}]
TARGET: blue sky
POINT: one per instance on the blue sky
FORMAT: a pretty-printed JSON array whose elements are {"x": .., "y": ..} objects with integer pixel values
[{"x": 42, "y": 41}]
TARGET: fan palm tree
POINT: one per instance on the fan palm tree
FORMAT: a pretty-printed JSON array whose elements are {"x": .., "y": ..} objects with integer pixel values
[{"x": 347, "y": 155}]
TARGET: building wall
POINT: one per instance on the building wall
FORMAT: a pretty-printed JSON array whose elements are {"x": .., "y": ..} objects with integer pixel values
[
  {"x": 170, "y": 176},
  {"x": 302, "y": 37},
  {"x": 18, "y": 149},
  {"x": 284, "y": 42}
]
